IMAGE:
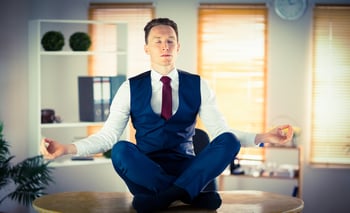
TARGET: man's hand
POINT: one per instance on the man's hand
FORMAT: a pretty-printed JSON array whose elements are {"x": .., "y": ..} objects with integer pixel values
[
  {"x": 278, "y": 135},
  {"x": 51, "y": 149}
]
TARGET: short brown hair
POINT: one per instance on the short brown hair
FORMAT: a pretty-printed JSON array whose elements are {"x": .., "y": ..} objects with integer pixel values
[{"x": 160, "y": 21}]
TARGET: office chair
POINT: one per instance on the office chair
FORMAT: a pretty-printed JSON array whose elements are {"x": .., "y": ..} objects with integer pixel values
[{"x": 200, "y": 141}]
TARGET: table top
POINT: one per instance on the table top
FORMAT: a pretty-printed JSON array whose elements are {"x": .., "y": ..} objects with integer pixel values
[{"x": 105, "y": 202}]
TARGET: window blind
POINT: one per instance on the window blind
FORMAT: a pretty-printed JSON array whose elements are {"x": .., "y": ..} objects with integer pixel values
[
  {"x": 232, "y": 58},
  {"x": 232, "y": 43},
  {"x": 104, "y": 37},
  {"x": 330, "y": 136}
]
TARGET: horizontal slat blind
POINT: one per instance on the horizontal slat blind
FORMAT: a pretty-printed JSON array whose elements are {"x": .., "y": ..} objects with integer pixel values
[
  {"x": 331, "y": 86},
  {"x": 104, "y": 37},
  {"x": 232, "y": 42},
  {"x": 232, "y": 57}
]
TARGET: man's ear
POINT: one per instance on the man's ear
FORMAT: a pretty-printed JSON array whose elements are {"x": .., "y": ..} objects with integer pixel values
[{"x": 145, "y": 47}]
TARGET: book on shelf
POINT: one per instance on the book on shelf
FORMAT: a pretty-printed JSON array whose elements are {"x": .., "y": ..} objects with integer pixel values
[{"x": 95, "y": 96}]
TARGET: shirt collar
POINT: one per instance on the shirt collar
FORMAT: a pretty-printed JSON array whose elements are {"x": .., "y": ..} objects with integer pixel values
[{"x": 173, "y": 74}]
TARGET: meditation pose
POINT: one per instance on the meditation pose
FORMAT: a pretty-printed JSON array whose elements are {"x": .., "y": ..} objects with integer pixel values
[{"x": 163, "y": 104}]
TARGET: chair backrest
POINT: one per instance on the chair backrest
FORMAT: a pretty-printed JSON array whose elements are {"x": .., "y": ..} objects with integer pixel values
[{"x": 200, "y": 140}]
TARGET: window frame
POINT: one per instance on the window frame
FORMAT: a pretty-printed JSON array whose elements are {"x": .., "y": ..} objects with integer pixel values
[
  {"x": 241, "y": 9},
  {"x": 122, "y": 6},
  {"x": 251, "y": 153},
  {"x": 130, "y": 130},
  {"x": 317, "y": 147}
]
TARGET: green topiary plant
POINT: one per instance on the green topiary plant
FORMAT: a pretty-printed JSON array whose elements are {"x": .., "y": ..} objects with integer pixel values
[
  {"x": 79, "y": 41},
  {"x": 52, "y": 41},
  {"x": 24, "y": 181}
]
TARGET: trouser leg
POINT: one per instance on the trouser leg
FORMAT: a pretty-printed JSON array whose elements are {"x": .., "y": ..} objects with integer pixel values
[
  {"x": 209, "y": 163},
  {"x": 140, "y": 173}
]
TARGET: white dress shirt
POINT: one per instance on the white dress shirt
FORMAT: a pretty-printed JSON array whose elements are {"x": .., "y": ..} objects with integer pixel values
[{"x": 118, "y": 118}]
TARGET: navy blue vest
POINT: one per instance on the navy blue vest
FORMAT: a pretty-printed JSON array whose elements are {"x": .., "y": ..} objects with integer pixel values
[{"x": 153, "y": 133}]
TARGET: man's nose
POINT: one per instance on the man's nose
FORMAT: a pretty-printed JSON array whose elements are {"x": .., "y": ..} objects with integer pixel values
[{"x": 165, "y": 46}]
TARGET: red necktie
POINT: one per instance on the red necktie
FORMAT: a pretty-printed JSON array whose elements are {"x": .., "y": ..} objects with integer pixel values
[{"x": 166, "y": 98}]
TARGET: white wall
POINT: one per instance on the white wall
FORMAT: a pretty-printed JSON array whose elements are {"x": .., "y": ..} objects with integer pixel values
[{"x": 289, "y": 50}]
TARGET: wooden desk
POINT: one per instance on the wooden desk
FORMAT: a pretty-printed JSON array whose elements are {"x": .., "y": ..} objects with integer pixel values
[{"x": 105, "y": 202}]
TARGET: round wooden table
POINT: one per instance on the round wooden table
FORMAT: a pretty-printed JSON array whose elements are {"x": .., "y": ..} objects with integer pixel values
[{"x": 105, "y": 202}]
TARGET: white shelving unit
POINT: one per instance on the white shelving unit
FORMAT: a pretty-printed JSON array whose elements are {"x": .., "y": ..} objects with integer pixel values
[
  {"x": 277, "y": 156},
  {"x": 54, "y": 81}
]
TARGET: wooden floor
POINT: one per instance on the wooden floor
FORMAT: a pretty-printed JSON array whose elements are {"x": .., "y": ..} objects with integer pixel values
[{"x": 106, "y": 202}]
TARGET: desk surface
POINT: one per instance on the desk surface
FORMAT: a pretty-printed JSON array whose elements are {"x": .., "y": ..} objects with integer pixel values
[{"x": 105, "y": 202}]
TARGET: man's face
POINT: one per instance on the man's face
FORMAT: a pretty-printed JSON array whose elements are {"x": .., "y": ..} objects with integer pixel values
[{"x": 162, "y": 47}]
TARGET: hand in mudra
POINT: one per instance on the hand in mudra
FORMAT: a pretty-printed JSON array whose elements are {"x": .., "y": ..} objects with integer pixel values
[
  {"x": 279, "y": 135},
  {"x": 51, "y": 149}
]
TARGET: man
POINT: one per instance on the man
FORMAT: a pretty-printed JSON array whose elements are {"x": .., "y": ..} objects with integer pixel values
[{"x": 162, "y": 167}]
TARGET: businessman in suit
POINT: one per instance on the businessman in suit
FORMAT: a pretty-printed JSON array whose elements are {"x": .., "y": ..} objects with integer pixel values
[{"x": 163, "y": 104}]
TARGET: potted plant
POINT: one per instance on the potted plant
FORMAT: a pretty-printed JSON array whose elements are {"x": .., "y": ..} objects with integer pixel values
[
  {"x": 79, "y": 41},
  {"x": 52, "y": 41},
  {"x": 24, "y": 181}
]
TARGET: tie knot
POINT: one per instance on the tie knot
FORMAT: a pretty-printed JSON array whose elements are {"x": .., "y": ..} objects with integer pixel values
[{"x": 165, "y": 80}]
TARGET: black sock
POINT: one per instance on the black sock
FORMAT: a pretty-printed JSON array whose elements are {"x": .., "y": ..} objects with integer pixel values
[
  {"x": 151, "y": 203},
  {"x": 207, "y": 200},
  {"x": 172, "y": 194}
]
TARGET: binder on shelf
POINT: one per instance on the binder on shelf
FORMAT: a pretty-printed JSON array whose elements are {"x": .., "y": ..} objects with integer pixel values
[
  {"x": 106, "y": 96},
  {"x": 95, "y": 96}
]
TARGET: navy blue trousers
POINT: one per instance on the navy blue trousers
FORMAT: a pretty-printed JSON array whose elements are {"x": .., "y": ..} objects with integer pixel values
[{"x": 150, "y": 174}]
